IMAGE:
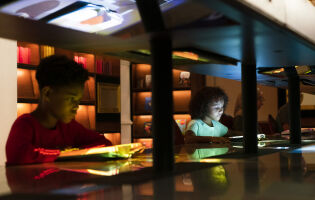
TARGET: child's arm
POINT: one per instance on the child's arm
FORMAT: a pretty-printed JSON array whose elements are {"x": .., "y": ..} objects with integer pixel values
[
  {"x": 190, "y": 137},
  {"x": 20, "y": 148},
  {"x": 86, "y": 138},
  {"x": 231, "y": 133}
]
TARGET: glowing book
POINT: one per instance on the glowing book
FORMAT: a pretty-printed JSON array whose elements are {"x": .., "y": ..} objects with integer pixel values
[{"x": 116, "y": 151}]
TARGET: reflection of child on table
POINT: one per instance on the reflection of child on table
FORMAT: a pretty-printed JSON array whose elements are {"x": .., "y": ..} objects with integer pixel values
[{"x": 39, "y": 136}]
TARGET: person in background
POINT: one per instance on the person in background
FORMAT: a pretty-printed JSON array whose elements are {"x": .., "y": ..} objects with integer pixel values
[
  {"x": 40, "y": 136},
  {"x": 283, "y": 116},
  {"x": 238, "y": 111},
  {"x": 282, "y": 120},
  {"x": 206, "y": 109}
]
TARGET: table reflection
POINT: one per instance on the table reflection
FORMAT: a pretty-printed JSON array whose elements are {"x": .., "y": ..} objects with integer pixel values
[
  {"x": 42, "y": 178},
  {"x": 204, "y": 184},
  {"x": 200, "y": 172}
]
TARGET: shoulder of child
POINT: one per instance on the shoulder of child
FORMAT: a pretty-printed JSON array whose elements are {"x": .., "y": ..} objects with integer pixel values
[
  {"x": 193, "y": 122},
  {"x": 220, "y": 125},
  {"x": 25, "y": 118}
]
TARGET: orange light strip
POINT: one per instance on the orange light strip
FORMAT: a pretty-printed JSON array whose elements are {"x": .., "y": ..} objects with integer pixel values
[{"x": 186, "y": 54}]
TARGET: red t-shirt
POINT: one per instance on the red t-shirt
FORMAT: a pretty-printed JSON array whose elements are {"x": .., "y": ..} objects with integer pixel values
[{"x": 30, "y": 142}]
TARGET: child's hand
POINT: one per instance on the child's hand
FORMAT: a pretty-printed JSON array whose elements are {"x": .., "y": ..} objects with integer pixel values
[{"x": 219, "y": 140}]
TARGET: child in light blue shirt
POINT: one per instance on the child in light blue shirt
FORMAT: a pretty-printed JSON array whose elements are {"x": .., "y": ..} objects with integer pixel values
[{"x": 206, "y": 109}]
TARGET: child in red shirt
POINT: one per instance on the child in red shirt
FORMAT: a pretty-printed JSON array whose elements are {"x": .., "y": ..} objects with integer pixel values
[{"x": 39, "y": 136}]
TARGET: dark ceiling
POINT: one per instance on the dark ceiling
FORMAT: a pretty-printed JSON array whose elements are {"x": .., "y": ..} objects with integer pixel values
[{"x": 224, "y": 30}]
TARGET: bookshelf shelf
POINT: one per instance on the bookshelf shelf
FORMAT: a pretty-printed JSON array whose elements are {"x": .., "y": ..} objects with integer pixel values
[
  {"x": 27, "y": 100},
  {"x": 149, "y": 89},
  {"x": 182, "y": 89},
  {"x": 26, "y": 66},
  {"x": 143, "y": 137},
  {"x": 106, "y": 78},
  {"x": 87, "y": 103}
]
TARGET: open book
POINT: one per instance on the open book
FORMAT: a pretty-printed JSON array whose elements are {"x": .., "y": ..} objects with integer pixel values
[
  {"x": 306, "y": 133},
  {"x": 303, "y": 131},
  {"x": 116, "y": 151},
  {"x": 240, "y": 138}
]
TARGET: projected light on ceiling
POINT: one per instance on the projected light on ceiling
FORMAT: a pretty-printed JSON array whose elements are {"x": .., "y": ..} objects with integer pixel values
[{"x": 93, "y": 16}]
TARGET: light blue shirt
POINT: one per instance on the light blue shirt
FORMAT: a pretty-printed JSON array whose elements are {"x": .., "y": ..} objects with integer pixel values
[{"x": 202, "y": 129}]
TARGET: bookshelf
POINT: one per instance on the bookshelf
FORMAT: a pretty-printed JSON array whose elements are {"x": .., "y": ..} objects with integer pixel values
[
  {"x": 141, "y": 101},
  {"x": 102, "y": 70}
]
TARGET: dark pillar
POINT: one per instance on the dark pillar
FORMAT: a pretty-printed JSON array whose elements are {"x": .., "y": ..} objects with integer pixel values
[
  {"x": 249, "y": 88},
  {"x": 162, "y": 103},
  {"x": 249, "y": 98},
  {"x": 162, "y": 85},
  {"x": 297, "y": 167},
  {"x": 251, "y": 179},
  {"x": 164, "y": 188},
  {"x": 294, "y": 105}
]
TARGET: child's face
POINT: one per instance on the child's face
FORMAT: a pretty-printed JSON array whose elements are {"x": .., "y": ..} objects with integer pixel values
[
  {"x": 64, "y": 102},
  {"x": 216, "y": 110}
]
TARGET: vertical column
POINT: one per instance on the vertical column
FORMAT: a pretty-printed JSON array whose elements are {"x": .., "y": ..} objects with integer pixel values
[
  {"x": 249, "y": 88},
  {"x": 164, "y": 188},
  {"x": 294, "y": 105},
  {"x": 249, "y": 98},
  {"x": 162, "y": 102},
  {"x": 251, "y": 179},
  {"x": 125, "y": 134},
  {"x": 8, "y": 88}
]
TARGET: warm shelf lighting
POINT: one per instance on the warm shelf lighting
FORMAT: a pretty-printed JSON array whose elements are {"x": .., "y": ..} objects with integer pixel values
[
  {"x": 23, "y": 108},
  {"x": 143, "y": 67},
  {"x": 144, "y": 116},
  {"x": 20, "y": 72}
]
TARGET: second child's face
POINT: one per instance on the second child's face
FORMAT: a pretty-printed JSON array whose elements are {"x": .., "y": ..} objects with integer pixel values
[
  {"x": 64, "y": 102},
  {"x": 216, "y": 110}
]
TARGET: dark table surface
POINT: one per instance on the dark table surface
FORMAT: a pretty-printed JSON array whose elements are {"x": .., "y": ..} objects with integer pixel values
[{"x": 221, "y": 171}]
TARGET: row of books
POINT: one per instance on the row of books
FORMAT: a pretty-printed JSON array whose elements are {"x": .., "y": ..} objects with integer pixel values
[
  {"x": 81, "y": 60},
  {"x": 102, "y": 66},
  {"x": 24, "y": 53}
]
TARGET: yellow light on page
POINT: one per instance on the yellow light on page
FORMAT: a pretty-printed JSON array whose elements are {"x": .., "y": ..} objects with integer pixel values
[
  {"x": 211, "y": 160},
  {"x": 101, "y": 150},
  {"x": 103, "y": 173},
  {"x": 121, "y": 149}
]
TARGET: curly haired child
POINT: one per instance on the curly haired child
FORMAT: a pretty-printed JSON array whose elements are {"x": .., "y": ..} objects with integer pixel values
[{"x": 206, "y": 109}]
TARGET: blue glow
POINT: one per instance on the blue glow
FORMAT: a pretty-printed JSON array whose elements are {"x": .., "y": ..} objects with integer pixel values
[{"x": 307, "y": 149}]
